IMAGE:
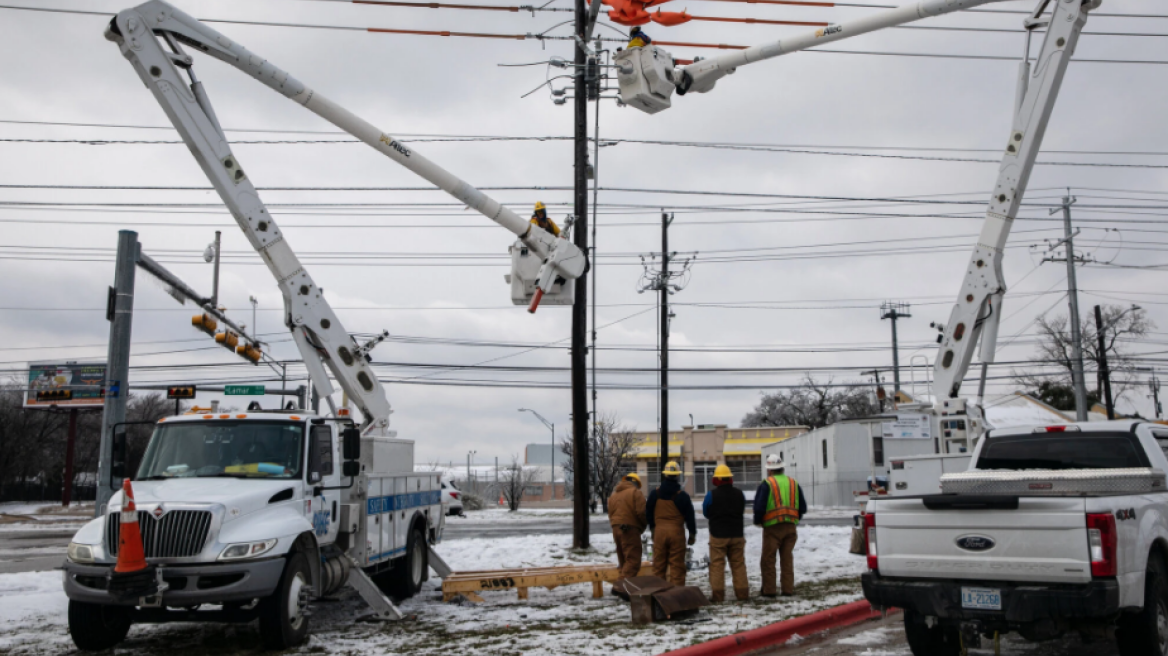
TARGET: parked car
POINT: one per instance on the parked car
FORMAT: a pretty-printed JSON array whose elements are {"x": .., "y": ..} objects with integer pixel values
[
  {"x": 1053, "y": 530},
  {"x": 451, "y": 498}
]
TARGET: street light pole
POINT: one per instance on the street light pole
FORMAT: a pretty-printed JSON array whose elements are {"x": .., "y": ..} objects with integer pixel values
[
  {"x": 551, "y": 427},
  {"x": 469, "y": 454}
]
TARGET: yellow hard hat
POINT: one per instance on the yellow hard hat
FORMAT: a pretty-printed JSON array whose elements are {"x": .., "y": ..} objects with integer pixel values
[
  {"x": 539, "y": 206},
  {"x": 671, "y": 469},
  {"x": 632, "y": 476},
  {"x": 722, "y": 471}
]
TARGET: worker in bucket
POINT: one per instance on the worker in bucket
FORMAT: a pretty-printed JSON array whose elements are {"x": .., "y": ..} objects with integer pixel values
[
  {"x": 540, "y": 218},
  {"x": 638, "y": 39},
  {"x": 778, "y": 507},
  {"x": 670, "y": 512},
  {"x": 724, "y": 507},
  {"x": 626, "y": 514}
]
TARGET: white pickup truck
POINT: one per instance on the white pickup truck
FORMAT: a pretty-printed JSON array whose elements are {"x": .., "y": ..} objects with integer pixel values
[
  {"x": 1051, "y": 530},
  {"x": 247, "y": 516}
]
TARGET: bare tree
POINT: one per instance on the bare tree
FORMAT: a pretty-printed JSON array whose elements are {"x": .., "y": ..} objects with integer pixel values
[
  {"x": 1121, "y": 327},
  {"x": 513, "y": 481},
  {"x": 610, "y": 445},
  {"x": 812, "y": 404}
]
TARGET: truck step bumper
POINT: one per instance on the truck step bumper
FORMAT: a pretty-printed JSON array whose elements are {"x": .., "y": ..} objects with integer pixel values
[
  {"x": 189, "y": 584},
  {"x": 1021, "y": 604}
]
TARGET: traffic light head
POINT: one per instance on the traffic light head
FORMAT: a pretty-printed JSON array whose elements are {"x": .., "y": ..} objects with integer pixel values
[
  {"x": 249, "y": 351},
  {"x": 54, "y": 395},
  {"x": 181, "y": 392},
  {"x": 227, "y": 339},
  {"x": 205, "y": 323}
]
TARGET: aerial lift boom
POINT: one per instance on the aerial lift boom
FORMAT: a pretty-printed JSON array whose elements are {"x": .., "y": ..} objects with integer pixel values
[
  {"x": 647, "y": 78},
  {"x": 322, "y": 339}
]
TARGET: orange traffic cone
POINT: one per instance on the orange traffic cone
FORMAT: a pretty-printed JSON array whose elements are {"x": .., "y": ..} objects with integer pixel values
[
  {"x": 131, "y": 556},
  {"x": 502, "y": 502},
  {"x": 132, "y": 577}
]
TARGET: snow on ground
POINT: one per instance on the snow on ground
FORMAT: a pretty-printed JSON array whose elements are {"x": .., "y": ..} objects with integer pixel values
[
  {"x": 566, "y": 620},
  {"x": 496, "y": 515}
]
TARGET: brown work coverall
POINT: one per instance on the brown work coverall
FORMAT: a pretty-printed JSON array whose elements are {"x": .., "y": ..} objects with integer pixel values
[
  {"x": 626, "y": 514},
  {"x": 669, "y": 518}
]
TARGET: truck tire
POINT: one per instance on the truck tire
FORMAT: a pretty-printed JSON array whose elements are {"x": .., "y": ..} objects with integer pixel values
[
  {"x": 283, "y": 620},
  {"x": 923, "y": 640},
  {"x": 410, "y": 572},
  {"x": 94, "y": 627},
  {"x": 1146, "y": 633}
]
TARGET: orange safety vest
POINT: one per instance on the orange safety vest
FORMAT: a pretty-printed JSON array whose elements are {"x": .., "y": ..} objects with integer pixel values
[{"x": 783, "y": 504}]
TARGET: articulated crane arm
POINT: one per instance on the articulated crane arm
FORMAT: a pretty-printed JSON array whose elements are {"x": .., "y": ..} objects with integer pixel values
[
  {"x": 318, "y": 333},
  {"x": 647, "y": 75},
  {"x": 978, "y": 311}
]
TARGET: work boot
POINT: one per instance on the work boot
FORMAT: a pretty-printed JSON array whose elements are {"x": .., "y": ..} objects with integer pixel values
[
  {"x": 769, "y": 595},
  {"x": 743, "y": 594},
  {"x": 717, "y": 596}
]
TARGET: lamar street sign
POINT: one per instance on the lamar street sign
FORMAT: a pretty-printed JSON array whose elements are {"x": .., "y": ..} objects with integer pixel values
[{"x": 243, "y": 390}]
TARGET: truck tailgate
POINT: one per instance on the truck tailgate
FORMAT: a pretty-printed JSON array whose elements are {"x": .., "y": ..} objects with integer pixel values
[{"x": 1043, "y": 540}]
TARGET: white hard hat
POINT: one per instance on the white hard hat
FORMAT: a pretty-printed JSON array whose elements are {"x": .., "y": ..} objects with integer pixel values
[{"x": 775, "y": 461}]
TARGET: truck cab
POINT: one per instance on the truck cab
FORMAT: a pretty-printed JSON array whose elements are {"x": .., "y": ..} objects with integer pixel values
[{"x": 256, "y": 512}]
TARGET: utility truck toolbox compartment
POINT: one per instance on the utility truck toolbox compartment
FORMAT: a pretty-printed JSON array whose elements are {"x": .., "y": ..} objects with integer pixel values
[{"x": 1075, "y": 483}]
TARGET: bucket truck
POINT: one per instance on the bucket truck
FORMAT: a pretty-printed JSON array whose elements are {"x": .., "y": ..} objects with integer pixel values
[
  {"x": 648, "y": 77},
  {"x": 252, "y": 514}
]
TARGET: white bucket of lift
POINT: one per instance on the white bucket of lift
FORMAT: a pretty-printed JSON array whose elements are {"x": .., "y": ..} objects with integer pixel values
[
  {"x": 525, "y": 274},
  {"x": 645, "y": 75}
]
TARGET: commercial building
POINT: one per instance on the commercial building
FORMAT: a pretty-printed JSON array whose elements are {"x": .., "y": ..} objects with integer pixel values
[{"x": 699, "y": 449}]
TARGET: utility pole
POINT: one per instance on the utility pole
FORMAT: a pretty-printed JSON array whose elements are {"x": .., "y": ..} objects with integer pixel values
[
  {"x": 580, "y": 423},
  {"x": 1104, "y": 371},
  {"x": 880, "y": 395},
  {"x": 1078, "y": 378},
  {"x": 67, "y": 489},
  {"x": 895, "y": 311},
  {"x": 665, "y": 220},
  {"x": 1154, "y": 384},
  {"x": 664, "y": 281},
  {"x": 120, "y": 313}
]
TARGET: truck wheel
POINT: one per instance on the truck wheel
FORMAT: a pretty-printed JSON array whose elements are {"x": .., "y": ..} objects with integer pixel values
[
  {"x": 95, "y": 627},
  {"x": 1146, "y": 633},
  {"x": 410, "y": 572},
  {"x": 925, "y": 641},
  {"x": 283, "y": 616}
]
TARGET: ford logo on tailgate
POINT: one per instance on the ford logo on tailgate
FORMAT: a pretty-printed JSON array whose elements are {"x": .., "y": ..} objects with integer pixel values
[{"x": 975, "y": 543}]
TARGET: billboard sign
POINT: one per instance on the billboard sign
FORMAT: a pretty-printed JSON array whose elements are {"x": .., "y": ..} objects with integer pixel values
[{"x": 72, "y": 384}]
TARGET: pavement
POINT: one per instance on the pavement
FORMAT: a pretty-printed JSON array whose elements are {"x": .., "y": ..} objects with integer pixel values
[
  {"x": 33, "y": 550},
  {"x": 885, "y": 637}
]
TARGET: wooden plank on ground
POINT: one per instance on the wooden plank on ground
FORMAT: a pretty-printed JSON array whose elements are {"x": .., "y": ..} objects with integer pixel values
[{"x": 470, "y": 583}]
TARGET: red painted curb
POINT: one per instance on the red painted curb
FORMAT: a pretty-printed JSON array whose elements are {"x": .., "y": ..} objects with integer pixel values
[{"x": 780, "y": 632}]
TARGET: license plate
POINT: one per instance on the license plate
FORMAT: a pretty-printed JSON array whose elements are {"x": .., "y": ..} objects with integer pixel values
[{"x": 981, "y": 598}]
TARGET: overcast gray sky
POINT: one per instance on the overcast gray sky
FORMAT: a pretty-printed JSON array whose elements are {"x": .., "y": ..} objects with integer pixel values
[{"x": 813, "y": 282}]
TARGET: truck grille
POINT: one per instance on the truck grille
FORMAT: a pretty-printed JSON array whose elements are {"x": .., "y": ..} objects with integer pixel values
[{"x": 178, "y": 534}]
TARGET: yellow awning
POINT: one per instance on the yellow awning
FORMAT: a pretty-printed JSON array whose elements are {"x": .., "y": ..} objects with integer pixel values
[
  {"x": 747, "y": 447},
  {"x": 653, "y": 450}
]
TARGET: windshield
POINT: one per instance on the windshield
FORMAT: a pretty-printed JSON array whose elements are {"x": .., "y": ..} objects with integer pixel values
[
  {"x": 238, "y": 449},
  {"x": 1070, "y": 450}
]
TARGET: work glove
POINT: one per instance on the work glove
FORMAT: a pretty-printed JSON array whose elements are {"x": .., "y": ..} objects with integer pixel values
[{"x": 692, "y": 539}]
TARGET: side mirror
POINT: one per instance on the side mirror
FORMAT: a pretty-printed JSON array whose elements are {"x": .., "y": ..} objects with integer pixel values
[
  {"x": 118, "y": 459},
  {"x": 351, "y": 468},
  {"x": 351, "y": 444}
]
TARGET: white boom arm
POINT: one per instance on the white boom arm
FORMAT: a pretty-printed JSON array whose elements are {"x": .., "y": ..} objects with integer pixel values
[
  {"x": 978, "y": 311},
  {"x": 647, "y": 77},
  {"x": 318, "y": 333}
]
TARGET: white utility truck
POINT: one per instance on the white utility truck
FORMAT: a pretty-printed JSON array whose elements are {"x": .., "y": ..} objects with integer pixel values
[
  {"x": 249, "y": 515},
  {"x": 1053, "y": 530}
]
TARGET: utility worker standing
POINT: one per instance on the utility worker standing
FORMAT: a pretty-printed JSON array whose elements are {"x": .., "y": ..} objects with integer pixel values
[
  {"x": 669, "y": 512},
  {"x": 540, "y": 218},
  {"x": 778, "y": 507},
  {"x": 725, "y": 508},
  {"x": 626, "y": 514}
]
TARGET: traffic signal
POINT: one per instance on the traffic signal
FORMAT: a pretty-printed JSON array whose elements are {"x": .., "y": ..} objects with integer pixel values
[
  {"x": 205, "y": 323},
  {"x": 180, "y": 392},
  {"x": 249, "y": 351},
  {"x": 227, "y": 339},
  {"x": 54, "y": 395}
]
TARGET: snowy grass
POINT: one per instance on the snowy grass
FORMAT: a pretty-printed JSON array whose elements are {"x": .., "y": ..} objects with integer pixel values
[{"x": 566, "y": 620}]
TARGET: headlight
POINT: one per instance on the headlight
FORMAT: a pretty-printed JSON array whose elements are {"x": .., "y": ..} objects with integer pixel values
[
  {"x": 247, "y": 550},
  {"x": 80, "y": 553}
]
